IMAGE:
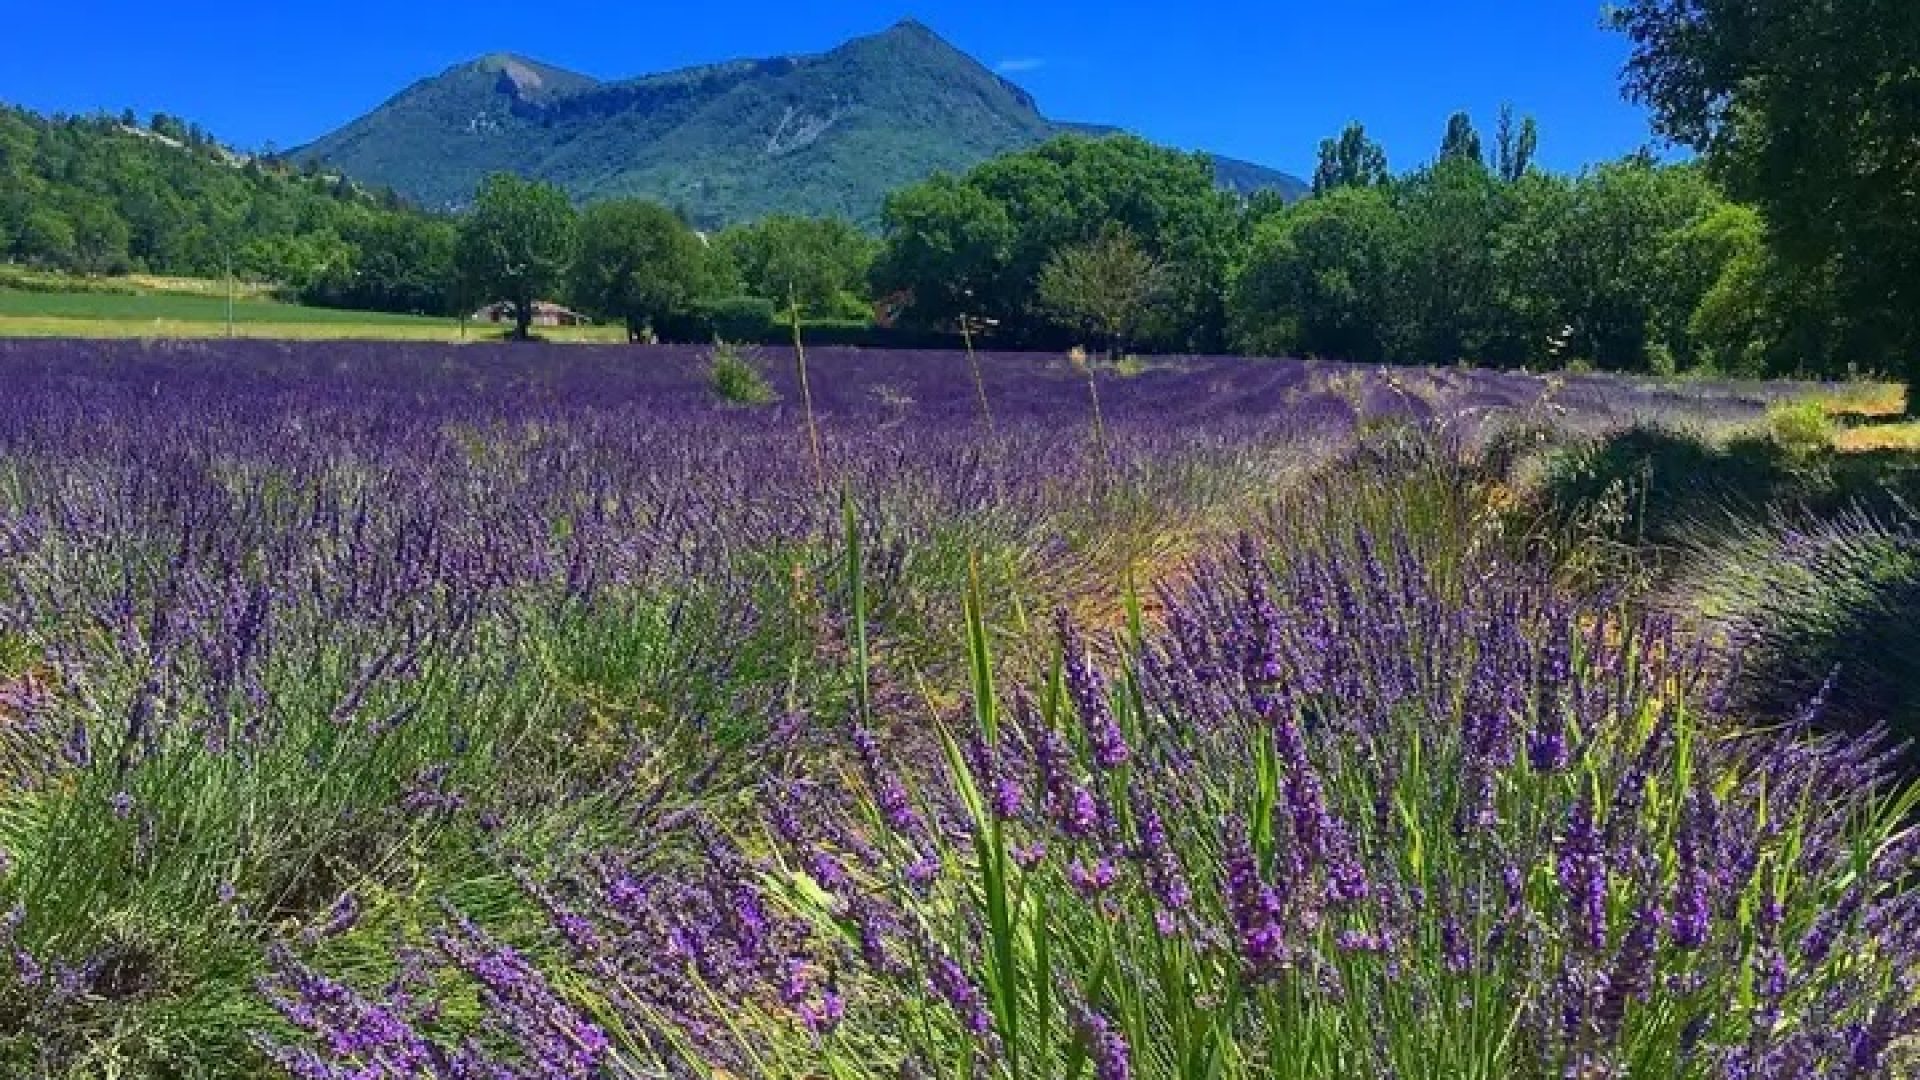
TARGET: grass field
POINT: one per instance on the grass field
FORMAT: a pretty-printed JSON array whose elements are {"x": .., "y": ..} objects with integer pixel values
[
  {"x": 35, "y": 304},
  {"x": 184, "y": 315}
]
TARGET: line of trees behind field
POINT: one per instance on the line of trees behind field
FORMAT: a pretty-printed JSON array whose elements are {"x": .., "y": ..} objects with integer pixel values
[{"x": 1475, "y": 256}]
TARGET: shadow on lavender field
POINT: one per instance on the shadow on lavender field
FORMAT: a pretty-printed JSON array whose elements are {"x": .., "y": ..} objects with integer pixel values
[{"x": 395, "y": 711}]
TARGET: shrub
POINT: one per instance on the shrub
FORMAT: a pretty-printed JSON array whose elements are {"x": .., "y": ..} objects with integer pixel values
[
  {"x": 1801, "y": 428},
  {"x": 1648, "y": 485},
  {"x": 734, "y": 374},
  {"x": 1816, "y": 609},
  {"x": 737, "y": 318}
]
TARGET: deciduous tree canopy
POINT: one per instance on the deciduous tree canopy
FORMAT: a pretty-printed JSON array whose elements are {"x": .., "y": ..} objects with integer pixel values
[
  {"x": 1812, "y": 113},
  {"x": 516, "y": 245}
]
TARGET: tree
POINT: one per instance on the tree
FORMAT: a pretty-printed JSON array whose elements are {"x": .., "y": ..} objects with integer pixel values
[
  {"x": 1061, "y": 193},
  {"x": 1515, "y": 147},
  {"x": 638, "y": 263},
  {"x": 100, "y": 236},
  {"x": 46, "y": 236},
  {"x": 1811, "y": 112},
  {"x": 1107, "y": 285},
  {"x": 1732, "y": 328},
  {"x": 516, "y": 244},
  {"x": 1462, "y": 142},
  {"x": 1597, "y": 258},
  {"x": 1322, "y": 279},
  {"x": 945, "y": 242},
  {"x": 1449, "y": 295},
  {"x": 1352, "y": 160},
  {"x": 393, "y": 262},
  {"x": 821, "y": 262}
]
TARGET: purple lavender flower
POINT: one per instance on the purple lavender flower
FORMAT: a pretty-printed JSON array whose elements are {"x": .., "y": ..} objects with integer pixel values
[
  {"x": 1106, "y": 1047},
  {"x": 957, "y": 989},
  {"x": 1089, "y": 693},
  {"x": 1166, "y": 879},
  {"x": 1583, "y": 876},
  {"x": 992, "y": 773},
  {"x": 341, "y": 917},
  {"x": 1632, "y": 975},
  {"x": 1256, "y": 909},
  {"x": 1068, "y": 802},
  {"x": 889, "y": 794},
  {"x": 1091, "y": 879}
]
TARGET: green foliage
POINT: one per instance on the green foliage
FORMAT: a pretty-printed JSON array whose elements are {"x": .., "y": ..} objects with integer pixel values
[
  {"x": 639, "y": 264},
  {"x": 1809, "y": 111},
  {"x": 516, "y": 245},
  {"x": 1107, "y": 285},
  {"x": 1606, "y": 263},
  {"x": 391, "y": 262},
  {"x": 1514, "y": 147},
  {"x": 1462, "y": 141},
  {"x": 1352, "y": 160},
  {"x": 1320, "y": 278},
  {"x": 733, "y": 318},
  {"x": 1631, "y": 266},
  {"x": 735, "y": 377},
  {"x": 1449, "y": 280},
  {"x": 977, "y": 244},
  {"x": 946, "y": 241},
  {"x": 1801, "y": 428},
  {"x": 103, "y": 196},
  {"x": 821, "y": 262}
]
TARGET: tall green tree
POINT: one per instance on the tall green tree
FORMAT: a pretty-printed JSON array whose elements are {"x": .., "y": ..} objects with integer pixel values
[
  {"x": 1352, "y": 160},
  {"x": 946, "y": 243},
  {"x": 1448, "y": 279},
  {"x": 1323, "y": 279},
  {"x": 1592, "y": 262},
  {"x": 1515, "y": 146},
  {"x": 516, "y": 244},
  {"x": 1811, "y": 111},
  {"x": 1462, "y": 141},
  {"x": 1001, "y": 224},
  {"x": 823, "y": 263},
  {"x": 639, "y": 263},
  {"x": 1108, "y": 285}
]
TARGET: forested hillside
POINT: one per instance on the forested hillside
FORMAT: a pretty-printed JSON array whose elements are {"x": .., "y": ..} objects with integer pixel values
[{"x": 110, "y": 195}]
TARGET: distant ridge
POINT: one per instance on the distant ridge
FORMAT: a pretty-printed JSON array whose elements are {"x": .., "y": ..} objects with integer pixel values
[{"x": 829, "y": 134}]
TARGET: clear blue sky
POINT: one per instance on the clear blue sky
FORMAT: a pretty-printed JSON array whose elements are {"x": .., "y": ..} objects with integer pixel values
[{"x": 1259, "y": 80}]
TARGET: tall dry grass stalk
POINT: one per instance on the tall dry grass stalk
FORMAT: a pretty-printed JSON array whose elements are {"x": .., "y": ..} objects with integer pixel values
[{"x": 806, "y": 395}]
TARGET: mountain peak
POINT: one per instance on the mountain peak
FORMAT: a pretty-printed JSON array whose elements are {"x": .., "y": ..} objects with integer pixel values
[{"x": 907, "y": 34}]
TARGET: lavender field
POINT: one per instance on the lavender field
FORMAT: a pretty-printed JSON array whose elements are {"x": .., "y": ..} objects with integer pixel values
[{"x": 381, "y": 711}]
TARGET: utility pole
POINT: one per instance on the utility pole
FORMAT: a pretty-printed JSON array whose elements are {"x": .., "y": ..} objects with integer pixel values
[{"x": 229, "y": 257}]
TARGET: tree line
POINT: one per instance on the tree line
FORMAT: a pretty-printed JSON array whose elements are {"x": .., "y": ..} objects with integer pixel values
[
  {"x": 639, "y": 263},
  {"x": 1476, "y": 256}
]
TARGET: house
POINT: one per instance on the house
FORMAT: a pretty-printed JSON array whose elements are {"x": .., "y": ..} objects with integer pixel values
[{"x": 545, "y": 313}]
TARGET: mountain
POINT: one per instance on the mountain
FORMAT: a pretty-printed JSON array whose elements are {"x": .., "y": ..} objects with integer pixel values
[{"x": 829, "y": 134}]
